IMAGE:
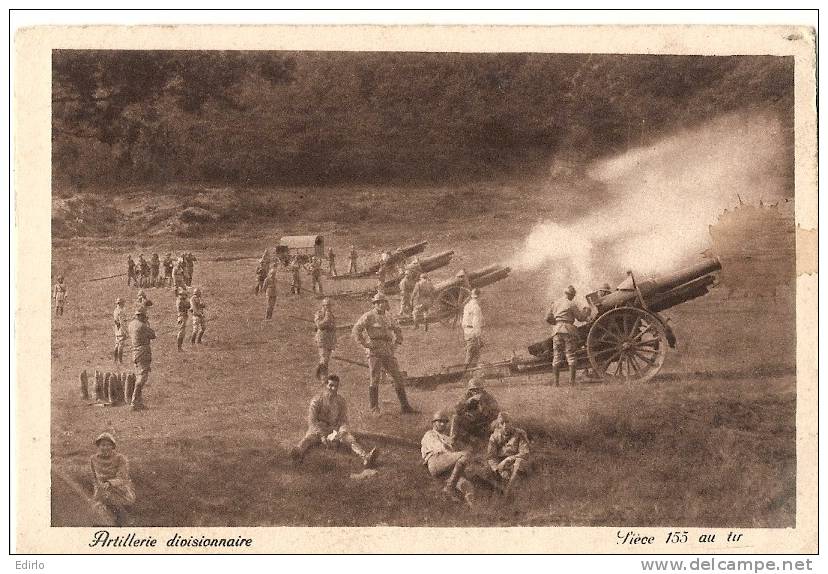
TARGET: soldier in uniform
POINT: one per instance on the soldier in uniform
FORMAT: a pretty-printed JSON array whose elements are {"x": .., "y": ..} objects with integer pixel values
[
  {"x": 155, "y": 267},
  {"x": 197, "y": 308},
  {"x": 131, "y": 278},
  {"x": 182, "y": 309},
  {"x": 189, "y": 267},
  {"x": 143, "y": 271},
  {"x": 325, "y": 322},
  {"x": 113, "y": 492},
  {"x": 316, "y": 274},
  {"x": 379, "y": 334},
  {"x": 178, "y": 275},
  {"x": 295, "y": 276},
  {"x": 422, "y": 298},
  {"x": 331, "y": 262},
  {"x": 473, "y": 329},
  {"x": 508, "y": 452},
  {"x": 143, "y": 302},
  {"x": 168, "y": 267},
  {"x": 328, "y": 425},
  {"x": 562, "y": 317},
  {"x": 352, "y": 258},
  {"x": 407, "y": 284},
  {"x": 120, "y": 319},
  {"x": 59, "y": 294},
  {"x": 261, "y": 276},
  {"x": 474, "y": 413},
  {"x": 441, "y": 458},
  {"x": 141, "y": 336},
  {"x": 269, "y": 287}
]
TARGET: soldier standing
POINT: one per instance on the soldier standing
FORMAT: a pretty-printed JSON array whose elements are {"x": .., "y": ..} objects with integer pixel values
[
  {"x": 197, "y": 308},
  {"x": 331, "y": 262},
  {"x": 143, "y": 302},
  {"x": 325, "y": 322},
  {"x": 473, "y": 329},
  {"x": 261, "y": 274},
  {"x": 182, "y": 308},
  {"x": 295, "y": 277},
  {"x": 269, "y": 287},
  {"x": 379, "y": 334},
  {"x": 352, "y": 257},
  {"x": 168, "y": 267},
  {"x": 562, "y": 317},
  {"x": 155, "y": 266},
  {"x": 131, "y": 278},
  {"x": 178, "y": 275},
  {"x": 189, "y": 267},
  {"x": 422, "y": 298},
  {"x": 59, "y": 294},
  {"x": 316, "y": 274},
  {"x": 141, "y": 336},
  {"x": 120, "y": 319},
  {"x": 407, "y": 285},
  {"x": 143, "y": 271}
]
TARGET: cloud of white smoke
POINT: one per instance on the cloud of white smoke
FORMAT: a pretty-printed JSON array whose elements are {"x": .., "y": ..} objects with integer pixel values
[{"x": 660, "y": 201}]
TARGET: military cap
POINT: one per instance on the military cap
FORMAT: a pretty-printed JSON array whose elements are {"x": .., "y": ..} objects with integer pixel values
[
  {"x": 461, "y": 273},
  {"x": 570, "y": 290},
  {"x": 119, "y": 301},
  {"x": 105, "y": 436},
  {"x": 475, "y": 293},
  {"x": 140, "y": 312},
  {"x": 474, "y": 383},
  {"x": 440, "y": 416},
  {"x": 197, "y": 291},
  {"x": 606, "y": 287}
]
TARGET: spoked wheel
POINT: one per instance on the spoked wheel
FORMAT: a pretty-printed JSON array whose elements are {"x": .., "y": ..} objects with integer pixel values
[
  {"x": 627, "y": 345},
  {"x": 451, "y": 301}
]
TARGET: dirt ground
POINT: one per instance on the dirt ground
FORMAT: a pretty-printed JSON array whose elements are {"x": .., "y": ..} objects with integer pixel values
[{"x": 709, "y": 442}]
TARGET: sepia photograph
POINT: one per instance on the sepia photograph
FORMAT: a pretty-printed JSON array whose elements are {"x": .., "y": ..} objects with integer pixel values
[{"x": 428, "y": 288}]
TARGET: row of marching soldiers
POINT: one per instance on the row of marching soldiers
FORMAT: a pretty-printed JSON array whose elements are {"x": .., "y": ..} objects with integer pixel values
[{"x": 169, "y": 272}]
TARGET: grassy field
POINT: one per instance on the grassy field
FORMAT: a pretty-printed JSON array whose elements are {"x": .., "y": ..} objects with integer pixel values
[{"x": 710, "y": 442}]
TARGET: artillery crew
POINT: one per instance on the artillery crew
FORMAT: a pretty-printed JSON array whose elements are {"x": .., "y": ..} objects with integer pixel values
[
  {"x": 378, "y": 334},
  {"x": 182, "y": 309},
  {"x": 143, "y": 302},
  {"x": 295, "y": 277},
  {"x": 143, "y": 271},
  {"x": 59, "y": 295},
  {"x": 473, "y": 329},
  {"x": 422, "y": 298},
  {"x": 141, "y": 336},
  {"x": 325, "y": 322},
  {"x": 562, "y": 317},
  {"x": 120, "y": 320},
  {"x": 197, "y": 309},
  {"x": 178, "y": 275}
]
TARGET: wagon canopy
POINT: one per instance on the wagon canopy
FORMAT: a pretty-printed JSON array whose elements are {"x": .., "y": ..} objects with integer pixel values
[{"x": 302, "y": 241}]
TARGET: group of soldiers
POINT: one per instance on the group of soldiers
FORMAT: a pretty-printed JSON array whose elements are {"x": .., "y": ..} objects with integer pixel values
[{"x": 169, "y": 272}]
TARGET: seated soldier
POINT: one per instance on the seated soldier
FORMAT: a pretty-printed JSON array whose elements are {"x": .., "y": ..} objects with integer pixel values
[
  {"x": 474, "y": 413},
  {"x": 508, "y": 452},
  {"x": 440, "y": 458},
  {"x": 328, "y": 425},
  {"x": 114, "y": 493}
]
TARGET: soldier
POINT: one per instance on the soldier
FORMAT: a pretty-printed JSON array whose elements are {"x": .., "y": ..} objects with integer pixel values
[
  {"x": 131, "y": 277},
  {"x": 189, "y": 268},
  {"x": 155, "y": 266},
  {"x": 473, "y": 329},
  {"x": 325, "y": 322},
  {"x": 295, "y": 277},
  {"x": 352, "y": 258},
  {"x": 269, "y": 287},
  {"x": 59, "y": 294},
  {"x": 168, "y": 269},
  {"x": 385, "y": 272},
  {"x": 474, "y": 413},
  {"x": 141, "y": 336},
  {"x": 328, "y": 425},
  {"x": 508, "y": 452},
  {"x": 423, "y": 298},
  {"x": 261, "y": 275},
  {"x": 178, "y": 275},
  {"x": 143, "y": 302},
  {"x": 182, "y": 308},
  {"x": 316, "y": 274},
  {"x": 562, "y": 317},
  {"x": 441, "y": 458},
  {"x": 120, "y": 319},
  {"x": 197, "y": 308},
  {"x": 378, "y": 334},
  {"x": 143, "y": 271},
  {"x": 407, "y": 284},
  {"x": 113, "y": 492},
  {"x": 331, "y": 262}
]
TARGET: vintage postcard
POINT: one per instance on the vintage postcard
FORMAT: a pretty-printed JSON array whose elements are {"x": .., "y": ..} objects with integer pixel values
[{"x": 415, "y": 290}]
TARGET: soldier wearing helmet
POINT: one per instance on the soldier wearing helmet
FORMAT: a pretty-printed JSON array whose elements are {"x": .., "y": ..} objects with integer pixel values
[
  {"x": 422, "y": 298},
  {"x": 562, "y": 317},
  {"x": 120, "y": 319},
  {"x": 508, "y": 452},
  {"x": 378, "y": 334},
  {"x": 197, "y": 309},
  {"x": 474, "y": 413},
  {"x": 325, "y": 322},
  {"x": 441, "y": 458},
  {"x": 141, "y": 336}
]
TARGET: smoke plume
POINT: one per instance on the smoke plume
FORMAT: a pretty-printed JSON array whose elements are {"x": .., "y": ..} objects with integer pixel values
[{"x": 659, "y": 200}]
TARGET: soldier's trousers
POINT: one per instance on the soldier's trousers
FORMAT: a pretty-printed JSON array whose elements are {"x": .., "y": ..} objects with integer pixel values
[
  {"x": 58, "y": 307},
  {"x": 143, "y": 370},
  {"x": 271, "y": 303},
  {"x": 353, "y": 268},
  {"x": 182, "y": 327},
  {"x": 563, "y": 344},
  {"x": 388, "y": 364},
  {"x": 131, "y": 279},
  {"x": 472, "y": 352},
  {"x": 118, "y": 353},
  {"x": 314, "y": 438},
  {"x": 198, "y": 329},
  {"x": 405, "y": 305},
  {"x": 332, "y": 269},
  {"x": 420, "y": 314},
  {"x": 154, "y": 279}
]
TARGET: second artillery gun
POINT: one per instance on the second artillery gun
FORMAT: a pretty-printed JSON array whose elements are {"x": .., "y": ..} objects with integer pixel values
[{"x": 625, "y": 340}]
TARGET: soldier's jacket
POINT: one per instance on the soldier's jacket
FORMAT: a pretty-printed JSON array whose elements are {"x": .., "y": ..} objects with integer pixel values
[
  {"x": 140, "y": 336},
  {"x": 352, "y": 255},
  {"x": 178, "y": 274},
  {"x": 325, "y": 328},
  {"x": 327, "y": 414},
  {"x": 182, "y": 305},
  {"x": 434, "y": 442},
  {"x": 316, "y": 268},
  {"x": 478, "y": 408},
  {"x": 424, "y": 293},
  {"x": 563, "y": 315},
  {"x": 501, "y": 446},
  {"x": 60, "y": 292},
  {"x": 197, "y": 306},
  {"x": 120, "y": 319},
  {"x": 407, "y": 285},
  {"x": 168, "y": 265},
  {"x": 378, "y": 333},
  {"x": 142, "y": 263}
]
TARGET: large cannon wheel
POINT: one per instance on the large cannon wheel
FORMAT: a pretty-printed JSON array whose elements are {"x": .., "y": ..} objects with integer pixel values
[
  {"x": 627, "y": 345},
  {"x": 451, "y": 301}
]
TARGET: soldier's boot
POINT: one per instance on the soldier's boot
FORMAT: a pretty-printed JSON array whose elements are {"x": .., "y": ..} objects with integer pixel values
[
  {"x": 193, "y": 338},
  {"x": 369, "y": 458},
  {"x": 200, "y": 336},
  {"x": 405, "y": 407},
  {"x": 572, "y": 375},
  {"x": 373, "y": 399},
  {"x": 556, "y": 372}
]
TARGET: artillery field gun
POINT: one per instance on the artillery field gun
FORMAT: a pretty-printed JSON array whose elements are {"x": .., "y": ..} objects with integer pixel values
[
  {"x": 625, "y": 340},
  {"x": 396, "y": 257}
]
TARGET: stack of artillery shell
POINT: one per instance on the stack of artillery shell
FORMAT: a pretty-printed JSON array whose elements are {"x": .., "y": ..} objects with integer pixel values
[
  {"x": 99, "y": 390},
  {"x": 115, "y": 389},
  {"x": 110, "y": 388},
  {"x": 84, "y": 383}
]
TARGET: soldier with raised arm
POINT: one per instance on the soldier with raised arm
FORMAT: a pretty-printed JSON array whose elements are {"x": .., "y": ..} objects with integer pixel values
[{"x": 473, "y": 329}]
